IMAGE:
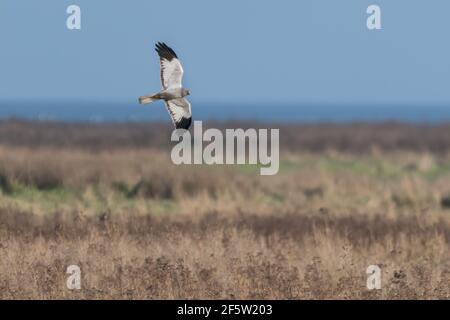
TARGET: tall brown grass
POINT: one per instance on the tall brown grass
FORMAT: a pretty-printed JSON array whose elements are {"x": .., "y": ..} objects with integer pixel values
[
  {"x": 283, "y": 256},
  {"x": 142, "y": 228}
]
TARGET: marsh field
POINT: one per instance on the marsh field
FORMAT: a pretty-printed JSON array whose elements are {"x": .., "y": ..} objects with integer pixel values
[{"x": 106, "y": 197}]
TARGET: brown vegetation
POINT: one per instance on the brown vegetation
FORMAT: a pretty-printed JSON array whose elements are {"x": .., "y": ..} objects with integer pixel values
[
  {"x": 107, "y": 198},
  {"x": 357, "y": 137}
]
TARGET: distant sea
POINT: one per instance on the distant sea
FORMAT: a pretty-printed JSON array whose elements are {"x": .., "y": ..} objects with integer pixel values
[{"x": 101, "y": 111}]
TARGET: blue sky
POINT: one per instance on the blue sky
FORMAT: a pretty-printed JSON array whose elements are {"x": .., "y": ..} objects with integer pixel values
[{"x": 252, "y": 51}]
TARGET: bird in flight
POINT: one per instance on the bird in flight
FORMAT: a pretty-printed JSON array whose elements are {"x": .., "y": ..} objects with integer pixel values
[{"x": 172, "y": 91}]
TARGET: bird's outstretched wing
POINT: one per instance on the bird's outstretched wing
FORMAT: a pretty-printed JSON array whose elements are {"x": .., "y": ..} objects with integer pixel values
[
  {"x": 171, "y": 69},
  {"x": 180, "y": 112}
]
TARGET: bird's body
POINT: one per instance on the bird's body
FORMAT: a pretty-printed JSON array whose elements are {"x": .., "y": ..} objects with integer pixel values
[{"x": 172, "y": 91}]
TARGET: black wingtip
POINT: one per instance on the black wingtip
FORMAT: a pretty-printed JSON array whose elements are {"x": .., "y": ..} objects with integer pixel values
[
  {"x": 184, "y": 123},
  {"x": 164, "y": 51}
]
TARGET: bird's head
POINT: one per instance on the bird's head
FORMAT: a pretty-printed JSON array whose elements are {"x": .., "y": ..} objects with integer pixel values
[{"x": 186, "y": 92}]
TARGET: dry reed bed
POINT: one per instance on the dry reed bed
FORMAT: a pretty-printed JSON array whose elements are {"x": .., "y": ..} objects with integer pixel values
[
  {"x": 142, "y": 228},
  {"x": 246, "y": 256}
]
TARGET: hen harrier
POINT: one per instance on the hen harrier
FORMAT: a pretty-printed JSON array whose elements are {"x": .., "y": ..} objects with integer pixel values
[{"x": 172, "y": 91}]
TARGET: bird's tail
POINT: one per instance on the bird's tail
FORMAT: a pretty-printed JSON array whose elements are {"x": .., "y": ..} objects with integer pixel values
[{"x": 149, "y": 98}]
